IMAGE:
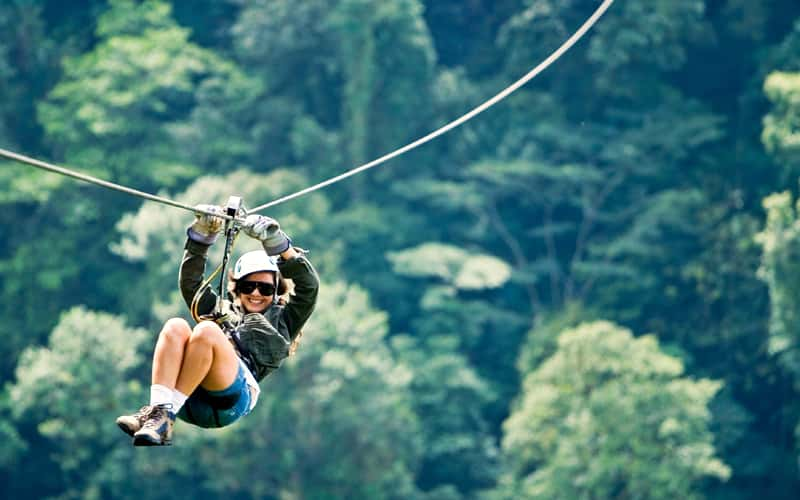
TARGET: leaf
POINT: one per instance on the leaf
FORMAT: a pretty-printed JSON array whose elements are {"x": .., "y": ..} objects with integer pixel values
[{"x": 453, "y": 265}]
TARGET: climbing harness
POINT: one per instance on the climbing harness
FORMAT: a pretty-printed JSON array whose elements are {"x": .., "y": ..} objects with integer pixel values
[{"x": 419, "y": 142}]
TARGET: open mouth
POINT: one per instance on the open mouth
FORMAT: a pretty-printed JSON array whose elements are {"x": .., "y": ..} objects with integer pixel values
[{"x": 256, "y": 302}]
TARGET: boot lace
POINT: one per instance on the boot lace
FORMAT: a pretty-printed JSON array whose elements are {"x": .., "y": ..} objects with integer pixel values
[
  {"x": 157, "y": 413},
  {"x": 143, "y": 412}
]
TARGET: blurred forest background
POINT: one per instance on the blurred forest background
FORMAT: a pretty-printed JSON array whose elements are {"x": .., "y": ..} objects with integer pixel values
[{"x": 590, "y": 291}]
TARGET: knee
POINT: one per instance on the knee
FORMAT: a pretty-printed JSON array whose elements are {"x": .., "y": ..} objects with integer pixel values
[
  {"x": 207, "y": 332},
  {"x": 176, "y": 329}
]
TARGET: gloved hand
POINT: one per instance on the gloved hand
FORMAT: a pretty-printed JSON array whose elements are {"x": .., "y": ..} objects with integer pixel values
[
  {"x": 206, "y": 228},
  {"x": 268, "y": 231}
]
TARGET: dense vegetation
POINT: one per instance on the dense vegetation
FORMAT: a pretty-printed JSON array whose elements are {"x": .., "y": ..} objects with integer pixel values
[{"x": 591, "y": 291}]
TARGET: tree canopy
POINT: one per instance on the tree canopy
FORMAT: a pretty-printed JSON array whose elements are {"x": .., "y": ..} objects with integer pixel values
[{"x": 589, "y": 291}]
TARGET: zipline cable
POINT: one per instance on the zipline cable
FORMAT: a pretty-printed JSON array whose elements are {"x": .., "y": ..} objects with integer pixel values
[
  {"x": 419, "y": 142},
  {"x": 100, "y": 182},
  {"x": 459, "y": 121}
]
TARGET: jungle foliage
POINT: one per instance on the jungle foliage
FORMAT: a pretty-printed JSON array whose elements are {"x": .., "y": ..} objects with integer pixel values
[{"x": 590, "y": 291}]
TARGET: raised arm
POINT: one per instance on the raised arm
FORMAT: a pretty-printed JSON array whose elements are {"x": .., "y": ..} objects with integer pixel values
[
  {"x": 200, "y": 236},
  {"x": 292, "y": 264}
]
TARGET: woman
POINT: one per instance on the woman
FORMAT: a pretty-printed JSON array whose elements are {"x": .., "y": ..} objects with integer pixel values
[{"x": 208, "y": 375}]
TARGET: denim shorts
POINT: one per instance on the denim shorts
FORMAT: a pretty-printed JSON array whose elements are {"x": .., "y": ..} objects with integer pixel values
[{"x": 210, "y": 409}]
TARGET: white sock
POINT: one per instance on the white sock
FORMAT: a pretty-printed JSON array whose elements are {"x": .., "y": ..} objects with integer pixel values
[
  {"x": 178, "y": 398},
  {"x": 160, "y": 395}
]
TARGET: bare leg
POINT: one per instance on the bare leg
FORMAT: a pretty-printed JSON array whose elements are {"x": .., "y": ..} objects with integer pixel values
[
  {"x": 169, "y": 352},
  {"x": 167, "y": 360},
  {"x": 208, "y": 360}
]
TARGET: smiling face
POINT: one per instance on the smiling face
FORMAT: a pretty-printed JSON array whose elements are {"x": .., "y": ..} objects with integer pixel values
[{"x": 255, "y": 301}]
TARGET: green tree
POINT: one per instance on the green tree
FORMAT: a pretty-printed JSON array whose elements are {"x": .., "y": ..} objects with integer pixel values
[
  {"x": 462, "y": 300},
  {"x": 451, "y": 20},
  {"x": 782, "y": 88},
  {"x": 541, "y": 341},
  {"x": 26, "y": 58},
  {"x": 781, "y": 135},
  {"x": 610, "y": 416},
  {"x": 359, "y": 69},
  {"x": 60, "y": 247},
  {"x": 64, "y": 398},
  {"x": 780, "y": 241},
  {"x": 225, "y": 130},
  {"x": 570, "y": 181},
  {"x": 7, "y": 74},
  {"x": 727, "y": 336},
  {"x": 111, "y": 112},
  {"x": 337, "y": 420},
  {"x": 450, "y": 399}
]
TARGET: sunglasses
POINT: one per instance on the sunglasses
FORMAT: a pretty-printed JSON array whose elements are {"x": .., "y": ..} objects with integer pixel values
[{"x": 266, "y": 289}]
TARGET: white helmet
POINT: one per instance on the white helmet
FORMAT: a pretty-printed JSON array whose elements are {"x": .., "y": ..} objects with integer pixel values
[{"x": 254, "y": 262}]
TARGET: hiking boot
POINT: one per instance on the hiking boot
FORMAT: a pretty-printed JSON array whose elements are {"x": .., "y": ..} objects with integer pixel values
[
  {"x": 157, "y": 428},
  {"x": 132, "y": 423}
]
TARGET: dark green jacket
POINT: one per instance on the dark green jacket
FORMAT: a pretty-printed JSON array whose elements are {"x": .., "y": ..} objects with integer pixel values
[{"x": 266, "y": 342}]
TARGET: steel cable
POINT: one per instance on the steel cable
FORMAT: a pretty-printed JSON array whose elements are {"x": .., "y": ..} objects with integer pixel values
[
  {"x": 459, "y": 121},
  {"x": 374, "y": 163}
]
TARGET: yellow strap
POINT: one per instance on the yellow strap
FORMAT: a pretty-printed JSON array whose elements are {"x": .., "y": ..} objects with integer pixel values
[{"x": 199, "y": 293}]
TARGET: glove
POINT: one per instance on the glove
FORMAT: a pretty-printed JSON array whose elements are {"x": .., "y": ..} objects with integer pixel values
[
  {"x": 206, "y": 227},
  {"x": 268, "y": 231}
]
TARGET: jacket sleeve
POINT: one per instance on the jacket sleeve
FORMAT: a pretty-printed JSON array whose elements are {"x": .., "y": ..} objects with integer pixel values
[
  {"x": 306, "y": 287},
  {"x": 190, "y": 277}
]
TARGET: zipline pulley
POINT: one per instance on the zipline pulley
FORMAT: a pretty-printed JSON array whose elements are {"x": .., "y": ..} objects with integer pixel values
[
  {"x": 235, "y": 212},
  {"x": 232, "y": 209}
]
